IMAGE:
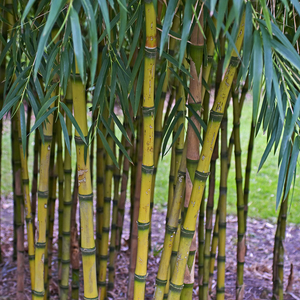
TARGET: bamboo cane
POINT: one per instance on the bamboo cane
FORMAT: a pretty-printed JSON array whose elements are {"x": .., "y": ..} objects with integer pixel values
[
  {"x": 85, "y": 192},
  {"x": 148, "y": 148},
  {"x": 27, "y": 205},
  {"x": 201, "y": 175},
  {"x": 67, "y": 206}
]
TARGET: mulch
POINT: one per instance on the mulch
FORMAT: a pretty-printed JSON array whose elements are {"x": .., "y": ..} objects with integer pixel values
[{"x": 258, "y": 264}]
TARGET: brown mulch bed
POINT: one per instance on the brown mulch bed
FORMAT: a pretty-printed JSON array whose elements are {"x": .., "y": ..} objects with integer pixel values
[{"x": 258, "y": 265}]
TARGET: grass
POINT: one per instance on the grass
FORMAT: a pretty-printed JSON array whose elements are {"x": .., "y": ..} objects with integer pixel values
[{"x": 263, "y": 185}]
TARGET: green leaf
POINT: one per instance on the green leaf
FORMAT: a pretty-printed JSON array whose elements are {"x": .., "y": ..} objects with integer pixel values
[
  {"x": 39, "y": 121},
  {"x": 183, "y": 83},
  {"x": 136, "y": 67},
  {"x": 171, "y": 115},
  {"x": 222, "y": 8},
  {"x": 123, "y": 21},
  {"x": 136, "y": 35},
  {"x": 267, "y": 62},
  {"x": 267, "y": 151},
  {"x": 65, "y": 132},
  {"x": 23, "y": 128},
  {"x": 296, "y": 5},
  {"x": 195, "y": 130},
  {"x": 50, "y": 63},
  {"x": 74, "y": 122},
  {"x": 176, "y": 136},
  {"x": 167, "y": 134},
  {"x": 52, "y": 17},
  {"x": 199, "y": 120},
  {"x": 100, "y": 82},
  {"x": 93, "y": 37},
  {"x": 107, "y": 148},
  {"x": 45, "y": 106},
  {"x": 77, "y": 41},
  {"x": 257, "y": 73},
  {"x": 121, "y": 147},
  {"x": 248, "y": 38},
  {"x": 171, "y": 8},
  {"x": 105, "y": 14},
  {"x": 121, "y": 127},
  {"x": 266, "y": 15},
  {"x": 296, "y": 36},
  {"x": 292, "y": 165},
  {"x": 158, "y": 91},
  {"x": 278, "y": 96},
  {"x": 113, "y": 87},
  {"x": 6, "y": 48},
  {"x": 26, "y": 11},
  {"x": 187, "y": 21},
  {"x": 282, "y": 174}
]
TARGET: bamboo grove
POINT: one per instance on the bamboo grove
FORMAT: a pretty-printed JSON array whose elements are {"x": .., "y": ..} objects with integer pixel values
[{"x": 106, "y": 89}]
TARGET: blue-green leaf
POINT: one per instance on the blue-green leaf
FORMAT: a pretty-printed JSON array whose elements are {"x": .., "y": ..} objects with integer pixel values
[
  {"x": 77, "y": 41},
  {"x": 105, "y": 14}
]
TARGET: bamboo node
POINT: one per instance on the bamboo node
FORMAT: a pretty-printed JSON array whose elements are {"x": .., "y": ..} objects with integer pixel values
[
  {"x": 140, "y": 278},
  {"x": 160, "y": 282},
  {"x": 88, "y": 251},
  {"x": 187, "y": 233},
  {"x": 143, "y": 226},
  {"x": 176, "y": 288},
  {"x": 201, "y": 176},
  {"x": 88, "y": 197}
]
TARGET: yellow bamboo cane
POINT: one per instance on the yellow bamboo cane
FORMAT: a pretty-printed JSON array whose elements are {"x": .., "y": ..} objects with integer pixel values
[
  {"x": 85, "y": 192},
  {"x": 148, "y": 157},
  {"x": 201, "y": 174}
]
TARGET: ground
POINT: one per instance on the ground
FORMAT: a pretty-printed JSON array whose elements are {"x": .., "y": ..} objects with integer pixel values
[{"x": 258, "y": 265}]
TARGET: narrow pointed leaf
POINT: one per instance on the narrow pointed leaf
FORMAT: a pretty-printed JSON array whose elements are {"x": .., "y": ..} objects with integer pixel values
[
  {"x": 23, "y": 128},
  {"x": 65, "y": 132},
  {"x": 105, "y": 14},
  {"x": 107, "y": 148}
]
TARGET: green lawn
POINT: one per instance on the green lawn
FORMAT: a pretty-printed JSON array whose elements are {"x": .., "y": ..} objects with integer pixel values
[{"x": 263, "y": 185}]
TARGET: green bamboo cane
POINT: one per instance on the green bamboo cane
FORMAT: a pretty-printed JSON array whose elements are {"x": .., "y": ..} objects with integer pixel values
[
  {"x": 67, "y": 206},
  {"x": 201, "y": 175},
  {"x": 19, "y": 213},
  {"x": 241, "y": 247},
  {"x": 135, "y": 204},
  {"x": 222, "y": 211}
]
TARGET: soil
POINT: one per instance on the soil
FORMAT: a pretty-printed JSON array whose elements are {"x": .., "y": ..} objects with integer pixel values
[{"x": 258, "y": 264}]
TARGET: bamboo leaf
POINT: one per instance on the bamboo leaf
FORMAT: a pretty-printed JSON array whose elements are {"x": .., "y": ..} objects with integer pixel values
[
  {"x": 267, "y": 151},
  {"x": 175, "y": 63},
  {"x": 26, "y": 11},
  {"x": 222, "y": 8},
  {"x": 113, "y": 87},
  {"x": 257, "y": 73},
  {"x": 195, "y": 130},
  {"x": 74, "y": 122},
  {"x": 50, "y": 63},
  {"x": 121, "y": 127},
  {"x": 39, "y": 121},
  {"x": 121, "y": 147},
  {"x": 187, "y": 18},
  {"x": 248, "y": 37},
  {"x": 295, "y": 116},
  {"x": 278, "y": 96},
  {"x": 176, "y": 136},
  {"x": 266, "y": 15},
  {"x": 201, "y": 122},
  {"x": 296, "y": 5},
  {"x": 167, "y": 134},
  {"x": 171, "y": 116},
  {"x": 293, "y": 164},
  {"x": 158, "y": 91},
  {"x": 282, "y": 174},
  {"x": 183, "y": 83},
  {"x": 123, "y": 21},
  {"x": 136, "y": 35},
  {"x": 105, "y": 14},
  {"x": 100, "y": 83},
  {"x": 77, "y": 41},
  {"x": 65, "y": 132},
  {"x": 171, "y": 8},
  {"x": 107, "y": 148},
  {"x": 267, "y": 62},
  {"x": 6, "y": 48},
  {"x": 52, "y": 17},
  {"x": 93, "y": 37}
]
